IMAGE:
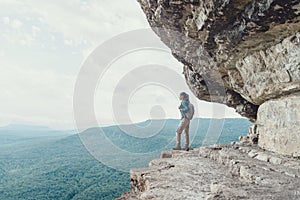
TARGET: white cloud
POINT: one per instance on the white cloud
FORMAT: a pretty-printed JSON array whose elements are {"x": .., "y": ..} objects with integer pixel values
[
  {"x": 13, "y": 23},
  {"x": 2, "y": 53},
  {"x": 81, "y": 23},
  {"x": 16, "y": 24},
  {"x": 85, "y": 23},
  {"x": 19, "y": 38},
  {"x": 92, "y": 20},
  {"x": 6, "y": 20},
  {"x": 15, "y": 32},
  {"x": 35, "y": 31}
]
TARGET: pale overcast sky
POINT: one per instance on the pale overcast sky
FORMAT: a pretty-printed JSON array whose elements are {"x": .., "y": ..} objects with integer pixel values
[{"x": 43, "y": 46}]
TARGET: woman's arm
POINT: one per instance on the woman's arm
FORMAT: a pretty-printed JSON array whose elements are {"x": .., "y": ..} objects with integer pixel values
[{"x": 184, "y": 106}]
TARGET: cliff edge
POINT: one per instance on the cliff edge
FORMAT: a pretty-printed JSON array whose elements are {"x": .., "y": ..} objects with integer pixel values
[
  {"x": 221, "y": 172},
  {"x": 241, "y": 170}
]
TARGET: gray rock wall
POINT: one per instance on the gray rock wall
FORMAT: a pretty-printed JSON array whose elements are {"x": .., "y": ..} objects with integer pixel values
[
  {"x": 270, "y": 73},
  {"x": 278, "y": 125}
]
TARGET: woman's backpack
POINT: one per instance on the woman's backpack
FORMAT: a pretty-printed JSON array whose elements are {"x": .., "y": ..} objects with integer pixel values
[{"x": 190, "y": 113}]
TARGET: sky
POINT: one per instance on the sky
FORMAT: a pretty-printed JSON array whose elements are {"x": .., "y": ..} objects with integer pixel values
[{"x": 43, "y": 46}]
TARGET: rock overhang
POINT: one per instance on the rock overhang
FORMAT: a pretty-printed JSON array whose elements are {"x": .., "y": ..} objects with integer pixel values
[{"x": 238, "y": 52}]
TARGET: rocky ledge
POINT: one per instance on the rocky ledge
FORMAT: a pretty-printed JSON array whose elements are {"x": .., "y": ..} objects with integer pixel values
[{"x": 237, "y": 171}]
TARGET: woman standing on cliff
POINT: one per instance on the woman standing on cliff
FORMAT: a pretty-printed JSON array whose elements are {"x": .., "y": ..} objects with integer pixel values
[{"x": 187, "y": 112}]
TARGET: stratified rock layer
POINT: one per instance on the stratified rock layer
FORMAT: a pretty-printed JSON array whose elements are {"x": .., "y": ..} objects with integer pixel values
[
  {"x": 219, "y": 172},
  {"x": 237, "y": 52}
]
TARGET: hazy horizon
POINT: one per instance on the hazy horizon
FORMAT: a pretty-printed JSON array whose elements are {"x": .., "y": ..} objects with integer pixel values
[{"x": 107, "y": 125}]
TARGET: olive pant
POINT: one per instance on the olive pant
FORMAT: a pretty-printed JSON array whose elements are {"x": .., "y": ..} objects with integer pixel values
[{"x": 183, "y": 126}]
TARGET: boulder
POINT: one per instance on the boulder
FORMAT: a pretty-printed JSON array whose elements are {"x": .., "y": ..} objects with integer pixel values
[{"x": 278, "y": 125}]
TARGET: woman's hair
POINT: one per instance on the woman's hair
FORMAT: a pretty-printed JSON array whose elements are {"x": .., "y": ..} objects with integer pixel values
[{"x": 185, "y": 96}]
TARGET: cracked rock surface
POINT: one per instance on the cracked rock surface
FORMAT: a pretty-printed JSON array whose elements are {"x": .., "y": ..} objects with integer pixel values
[{"x": 235, "y": 171}]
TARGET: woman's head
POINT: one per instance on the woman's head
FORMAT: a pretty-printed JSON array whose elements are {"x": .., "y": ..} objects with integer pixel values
[{"x": 183, "y": 96}]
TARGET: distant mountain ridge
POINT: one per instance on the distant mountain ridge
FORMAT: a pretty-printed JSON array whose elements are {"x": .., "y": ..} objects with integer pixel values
[
  {"x": 32, "y": 131},
  {"x": 24, "y": 127}
]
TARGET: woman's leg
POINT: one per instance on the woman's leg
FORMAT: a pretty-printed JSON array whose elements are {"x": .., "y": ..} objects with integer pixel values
[
  {"x": 187, "y": 136},
  {"x": 182, "y": 126}
]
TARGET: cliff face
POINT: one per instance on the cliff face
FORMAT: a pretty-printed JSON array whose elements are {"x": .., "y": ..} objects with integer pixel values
[
  {"x": 242, "y": 53},
  {"x": 245, "y": 54}
]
